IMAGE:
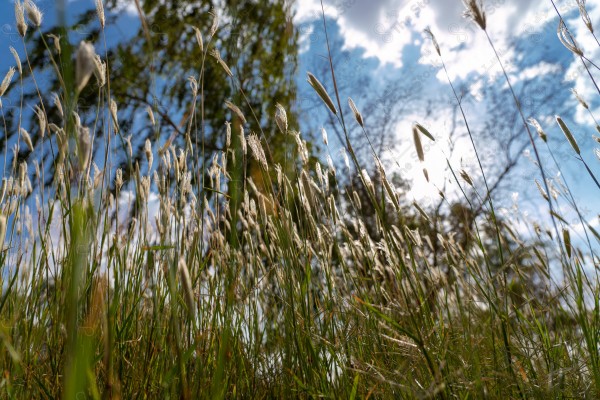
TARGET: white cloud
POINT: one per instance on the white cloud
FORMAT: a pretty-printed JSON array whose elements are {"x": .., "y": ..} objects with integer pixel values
[{"x": 385, "y": 27}]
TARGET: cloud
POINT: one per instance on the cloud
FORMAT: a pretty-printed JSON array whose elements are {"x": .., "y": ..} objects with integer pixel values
[{"x": 385, "y": 27}]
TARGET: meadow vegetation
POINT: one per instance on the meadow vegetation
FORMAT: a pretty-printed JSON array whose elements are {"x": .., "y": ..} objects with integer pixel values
[{"x": 303, "y": 279}]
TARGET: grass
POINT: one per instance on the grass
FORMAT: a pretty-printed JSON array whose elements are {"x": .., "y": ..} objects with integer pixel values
[{"x": 293, "y": 286}]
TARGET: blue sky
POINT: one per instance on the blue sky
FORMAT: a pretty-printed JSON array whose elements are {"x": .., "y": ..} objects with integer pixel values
[
  {"x": 385, "y": 38},
  {"x": 380, "y": 45}
]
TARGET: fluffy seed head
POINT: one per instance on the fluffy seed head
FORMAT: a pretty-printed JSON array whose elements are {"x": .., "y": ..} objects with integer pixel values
[
  {"x": 6, "y": 81},
  {"x": 466, "y": 177},
  {"x": 26, "y": 139},
  {"x": 215, "y": 24},
  {"x": 474, "y": 11},
  {"x": 113, "y": 114},
  {"x": 58, "y": 105},
  {"x": 541, "y": 190},
  {"x": 84, "y": 146},
  {"x": 41, "y": 120},
  {"x": 20, "y": 17},
  {"x": 100, "y": 12},
  {"x": 56, "y": 41},
  {"x": 148, "y": 151},
  {"x": 584, "y": 15},
  {"x": 580, "y": 99},
  {"x": 565, "y": 37},
  {"x": 186, "y": 283},
  {"x": 357, "y": 115},
  {"x": 199, "y": 38},
  {"x": 2, "y": 230},
  {"x": 324, "y": 134},
  {"x": 538, "y": 128},
  {"x": 85, "y": 64},
  {"x": 236, "y": 110},
  {"x": 215, "y": 53},
  {"x": 227, "y": 134},
  {"x": 433, "y": 39},
  {"x": 257, "y": 150},
  {"x": 17, "y": 60},
  {"x": 33, "y": 13},
  {"x": 281, "y": 118},
  {"x": 151, "y": 115},
  {"x": 99, "y": 70}
]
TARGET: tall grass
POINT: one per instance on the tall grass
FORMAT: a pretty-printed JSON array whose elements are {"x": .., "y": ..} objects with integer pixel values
[{"x": 282, "y": 288}]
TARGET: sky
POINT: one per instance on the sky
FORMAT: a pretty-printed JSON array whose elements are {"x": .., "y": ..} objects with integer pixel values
[
  {"x": 382, "y": 41},
  {"x": 387, "y": 37}
]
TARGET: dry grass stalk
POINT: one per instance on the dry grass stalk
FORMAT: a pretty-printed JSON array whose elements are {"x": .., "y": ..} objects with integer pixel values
[
  {"x": 580, "y": 99},
  {"x": 433, "y": 39},
  {"x": 215, "y": 53},
  {"x": 568, "y": 134},
  {"x": 199, "y": 38},
  {"x": 567, "y": 39},
  {"x": 357, "y": 115},
  {"x": 538, "y": 128},
  {"x": 236, "y": 110},
  {"x": 585, "y": 16},
  {"x": 418, "y": 145},
  {"x": 466, "y": 177},
  {"x": 113, "y": 114},
  {"x": 26, "y": 138},
  {"x": 424, "y": 131},
  {"x": 542, "y": 191},
  {"x": 320, "y": 89}
]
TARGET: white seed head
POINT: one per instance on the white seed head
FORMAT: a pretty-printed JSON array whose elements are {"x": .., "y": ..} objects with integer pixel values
[
  {"x": 17, "y": 60},
  {"x": 281, "y": 118},
  {"x": 41, "y": 120},
  {"x": 151, "y": 115},
  {"x": 6, "y": 81},
  {"x": 215, "y": 24},
  {"x": 57, "y": 104},
  {"x": 257, "y": 150},
  {"x": 538, "y": 128},
  {"x": 20, "y": 17},
  {"x": 227, "y": 134},
  {"x": 199, "y": 38},
  {"x": 320, "y": 89},
  {"x": 33, "y": 13},
  {"x": 357, "y": 115},
  {"x": 113, "y": 113},
  {"x": 85, "y": 64},
  {"x": 26, "y": 139},
  {"x": 84, "y": 141},
  {"x": 215, "y": 53},
  {"x": 99, "y": 70},
  {"x": 324, "y": 135},
  {"x": 149, "y": 154},
  {"x": 100, "y": 12},
  {"x": 56, "y": 42}
]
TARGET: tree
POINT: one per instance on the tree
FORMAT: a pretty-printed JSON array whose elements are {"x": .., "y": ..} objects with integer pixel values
[{"x": 255, "y": 40}]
